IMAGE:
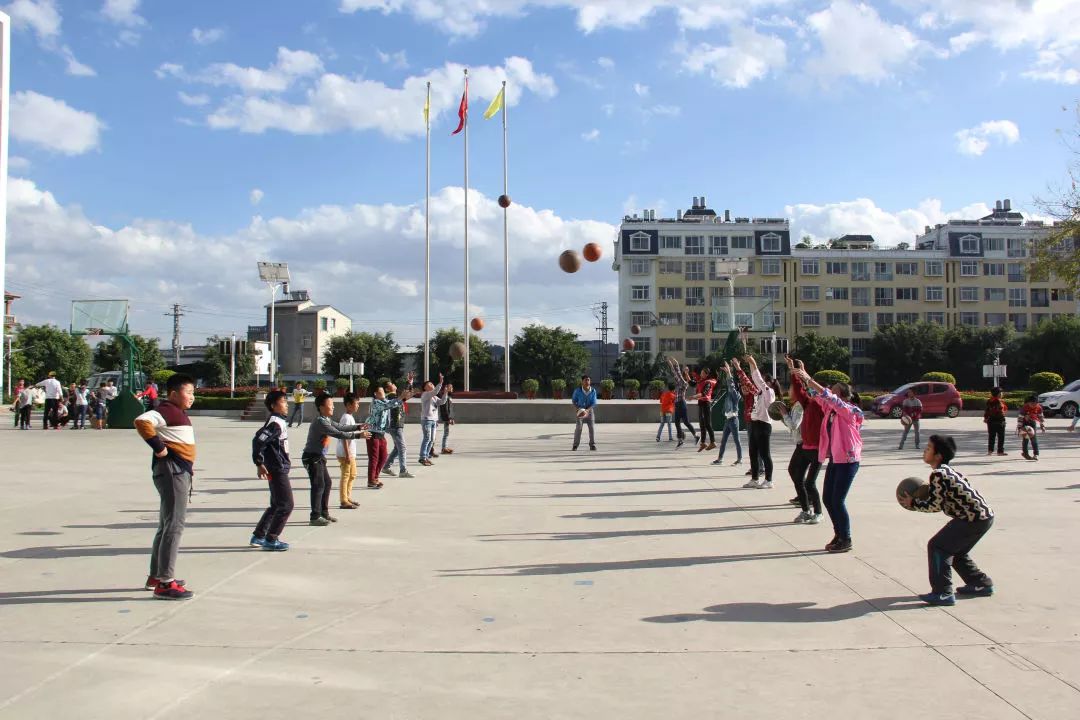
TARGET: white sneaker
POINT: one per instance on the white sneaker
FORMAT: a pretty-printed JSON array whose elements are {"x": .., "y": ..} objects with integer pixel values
[
  {"x": 752, "y": 484},
  {"x": 406, "y": 474},
  {"x": 767, "y": 485},
  {"x": 388, "y": 471},
  {"x": 814, "y": 519},
  {"x": 803, "y": 517}
]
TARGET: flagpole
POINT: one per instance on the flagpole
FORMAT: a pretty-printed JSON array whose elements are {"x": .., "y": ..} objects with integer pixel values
[
  {"x": 466, "y": 233},
  {"x": 427, "y": 236},
  {"x": 506, "y": 251}
]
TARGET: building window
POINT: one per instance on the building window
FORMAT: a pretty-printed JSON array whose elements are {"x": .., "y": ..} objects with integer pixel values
[
  {"x": 695, "y": 245},
  {"x": 744, "y": 320},
  {"x": 907, "y": 294},
  {"x": 770, "y": 266},
  {"x": 324, "y": 324},
  {"x": 695, "y": 322},
  {"x": 809, "y": 267},
  {"x": 721, "y": 321},
  {"x": 639, "y": 266},
  {"x": 907, "y": 318},
  {"x": 717, "y": 245},
  {"x": 671, "y": 242},
  {"x": 1037, "y": 318},
  {"x": 994, "y": 294},
  {"x": 860, "y": 296},
  {"x": 745, "y": 292},
  {"x": 671, "y": 293},
  {"x": 305, "y": 342},
  {"x": 907, "y": 268},
  {"x": 994, "y": 319},
  {"x": 969, "y": 244},
  {"x": 305, "y": 364},
  {"x": 833, "y": 267},
  {"x": 969, "y": 268},
  {"x": 640, "y": 318},
  {"x": 639, "y": 292},
  {"x": 695, "y": 270},
  {"x": 837, "y": 319},
  {"x": 934, "y": 268},
  {"x": 969, "y": 294},
  {"x": 935, "y": 318},
  {"x": 860, "y": 322},
  {"x": 810, "y": 292},
  {"x": 836, "y": 293},
  {"x": 935, "y": 293},
  {"x": 695, "y": 347},
  {"x": 885, "y": 319},
  {"x": 765, "y": 346},
  {"x": 718, "y": 295},
  {"x": 639, "y": 242},
  {"x": 859, "y": 347},
  {"x": 671, "y": 267},
  {"x": 642, "y": 344},
  {"x": 860, "y": 271},
  {"x": 1019, "y": 321},
  {"x": 773, "y": 291},
  {"x": 811, "y": 318},
  {"x": 1040, "y": 298},
  {"x": 993, "y": 269},
  {"x": 994, "y": 244},
  {"x": 777, "y": 319},
  {"x": 971, "y": 319},
  {"x": 714, "y": 344},
  {"x": 670, "y": 344},
  {"x": 333, "y": 323},
  {"x": 1017, "y": 248},
  {"x": 883, "y": 296},
  {"x": 1061, "y": 296},
  {"x": 883, "y": 271},
  {"x": 671, "y": 318},
  {"x": 770, "y": 243},
  {"x": 695, "y": 297},
  {"x": 742, "y": 242},
  {"x": 1016, "y": 272}
]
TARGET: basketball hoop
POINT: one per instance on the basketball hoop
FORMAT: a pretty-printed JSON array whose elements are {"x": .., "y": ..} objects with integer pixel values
[{"x": 94, "y": 332}]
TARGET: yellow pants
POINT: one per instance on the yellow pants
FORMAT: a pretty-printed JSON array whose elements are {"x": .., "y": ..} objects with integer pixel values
[{"x": 348, "y": 474}]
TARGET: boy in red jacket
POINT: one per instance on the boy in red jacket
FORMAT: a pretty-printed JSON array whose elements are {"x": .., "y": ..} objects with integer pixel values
[
  {"x": 1030, "y": 415},
  {"x": 994, "y": 417},
  {"x": 804, "y": 465}
]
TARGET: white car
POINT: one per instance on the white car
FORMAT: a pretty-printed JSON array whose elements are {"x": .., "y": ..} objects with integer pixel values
[{"x": 1065, "y": 401}]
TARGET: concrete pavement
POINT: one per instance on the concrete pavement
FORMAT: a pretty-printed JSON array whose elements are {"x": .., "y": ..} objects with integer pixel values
[{"x": 516, "y": 578}]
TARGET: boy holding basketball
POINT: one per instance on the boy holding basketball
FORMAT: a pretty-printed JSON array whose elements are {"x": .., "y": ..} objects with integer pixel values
[
  {"x": 972, "y": 517},
  {"x": 1031, "y": 414},
  {"x": 912, "y": 410},
  {"x": 994, "y": 417}
]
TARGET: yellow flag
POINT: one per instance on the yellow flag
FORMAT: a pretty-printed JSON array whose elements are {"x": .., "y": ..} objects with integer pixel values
[
  {"x": 427, "y": 110},
  {"x": 496, "y": 105}
]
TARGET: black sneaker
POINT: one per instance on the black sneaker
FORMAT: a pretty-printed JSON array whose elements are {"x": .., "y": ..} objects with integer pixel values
[
  {"x": 574, "y": 448},
  {"x": 592, "y": 447},
  {"x": 841, "y": 545},
  {"x": 795, "y": 501},
  {"x": 975, "y": 590},
  {"x": 173, "y": 591},
  {"x": 941, "y": 599}
]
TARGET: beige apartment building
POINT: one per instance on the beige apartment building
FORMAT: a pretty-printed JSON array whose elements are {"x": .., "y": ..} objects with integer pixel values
[
  {"x": 687, "y": 281},
  {"x": 304, "y": 331}
]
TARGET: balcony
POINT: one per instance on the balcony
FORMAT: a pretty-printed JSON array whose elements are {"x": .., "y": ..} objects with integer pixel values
[{"x": 9, "y": 321}]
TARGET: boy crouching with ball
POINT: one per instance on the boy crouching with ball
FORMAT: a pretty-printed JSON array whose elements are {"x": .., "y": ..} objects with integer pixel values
[{"x": 951, "y": 493}]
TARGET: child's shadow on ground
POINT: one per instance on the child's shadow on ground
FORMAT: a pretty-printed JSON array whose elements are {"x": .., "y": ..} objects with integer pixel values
[{"x": 794, "y": 612}]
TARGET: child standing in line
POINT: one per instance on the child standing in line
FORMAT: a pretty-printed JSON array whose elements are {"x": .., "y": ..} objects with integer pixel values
[
  {"x": 299, "y": 398},
  {"x": 1031, "y": 414},
  {"x": 378, "y": 422},
  {"x": 446, "y": 417},
  {"x": 270, "y": 453},
  {"x": 667, "y": 411},
  {"x": 346, "y": 455},
  {"x": 910, "y": 408},
  {"x": 994, "y": 417},
  {"x": 320, "y": 431},
  {"x": 972, "y": 517},
  {"x": 23, "y": 405},
  {"x": 730, "y": 407}
]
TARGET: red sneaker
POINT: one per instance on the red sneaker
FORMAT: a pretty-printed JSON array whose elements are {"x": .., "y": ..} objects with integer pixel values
[
  {"x": 173, "y": 591},
  {"x": 152, "y": 582}
]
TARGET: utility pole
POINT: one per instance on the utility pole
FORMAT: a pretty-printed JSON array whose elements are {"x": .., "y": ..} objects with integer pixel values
[
  {"x": 176, "y": 315},
  {"x": 601, "y": 315}
]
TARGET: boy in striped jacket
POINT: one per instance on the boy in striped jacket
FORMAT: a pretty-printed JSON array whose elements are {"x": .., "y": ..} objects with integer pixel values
[{"x": 168, "y": 431}]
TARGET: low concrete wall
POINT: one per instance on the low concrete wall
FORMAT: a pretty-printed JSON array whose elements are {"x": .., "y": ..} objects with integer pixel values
[{"x": 513, "y": 411}]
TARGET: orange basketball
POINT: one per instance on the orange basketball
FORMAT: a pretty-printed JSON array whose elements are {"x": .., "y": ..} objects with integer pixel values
[
  {"x": 477, "y": 324},
  {"x": 628, "y": 344},
  {"x": 592, "y": 252}
]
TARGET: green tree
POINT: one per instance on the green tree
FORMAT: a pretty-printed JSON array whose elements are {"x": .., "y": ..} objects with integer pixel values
[
  {"x": 639, "y": 366},
  {"x": 217, "y": 365},
  {"x": 484, "y": 370},
  {"x": 112, "y": 353},
  {"x": 546, "y": 353},
  {"x": 1058, "y": 254},
  {"x": 967, "y": 349},
  {"x": 903, "y": 352},
  {"x": 1052, "y": 346},
  {"x": 378, "y": 352},
  {"x": 821, "y": 352},
  {"x": 44, "y": 348}
]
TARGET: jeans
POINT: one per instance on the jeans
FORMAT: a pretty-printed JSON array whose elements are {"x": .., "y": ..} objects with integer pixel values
[
  {"x": 589, "y": 420},
  {"x": 903, "y": 438},
  {"x": 376, "y": 457},
  {"x": 760, "y": 455},
  {"x": 321, "y": 484},
  {"x": 445, "y": 433},
  {"x": 704, "y": 408},
  {"x": 298, "y": 409},
  {"x": 803, "y": 469},
  {"x": 427, "y": 440},
  {"x": 348, "y": 475},
  {"x": 995, "y": 431},
  {"x": 950, "y": 547},
  {"x": 398, "y": 453},
  {"x": 731, "y": 427},
  {"x": 173, "y": 484},
  {"x": 838, "y": 480},
  {"x": 273, "y": 519},
  {"x": 78, "y": 420},
  {"x": 664, "y": 420},
  {"x": 682, "y": 415},
  {"x": 1034, "y": 441}
]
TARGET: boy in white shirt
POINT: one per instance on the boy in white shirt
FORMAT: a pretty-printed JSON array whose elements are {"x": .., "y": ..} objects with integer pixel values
[
  {"x": 346, "y": 455},
  {"x": 23, "y": 403}
]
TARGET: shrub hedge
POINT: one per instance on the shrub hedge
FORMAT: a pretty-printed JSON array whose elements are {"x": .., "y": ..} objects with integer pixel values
[
  {"x": 829, "y": 377},
  {"x": 940, "y": 377},
  {"x": 1045, "y": 382},
  {"x": 220, "y": 403}
]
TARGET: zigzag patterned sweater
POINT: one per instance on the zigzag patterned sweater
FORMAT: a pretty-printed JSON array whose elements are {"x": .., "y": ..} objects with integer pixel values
[{"x": 951, "y": 493}]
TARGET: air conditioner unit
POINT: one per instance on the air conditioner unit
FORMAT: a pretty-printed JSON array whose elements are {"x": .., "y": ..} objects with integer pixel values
[{"x": 829, "y": 294}]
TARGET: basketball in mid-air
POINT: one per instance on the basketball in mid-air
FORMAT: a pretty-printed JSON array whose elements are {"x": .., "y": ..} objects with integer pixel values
[
  {"x": 912, "y": 487},
  {"x": 477, "y": 324},
  {"x": 635, "y": 329},
  {"x": 592, "y": 252},
  {"x": 457, "y": 350},
  {"x": 628, "y": 344},
  {"x": 504, "y": 201},
  {"x": 570, "y": 261}
]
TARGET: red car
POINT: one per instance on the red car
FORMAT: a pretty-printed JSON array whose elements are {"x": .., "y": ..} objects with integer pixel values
[{"x": 937, "y": 398}]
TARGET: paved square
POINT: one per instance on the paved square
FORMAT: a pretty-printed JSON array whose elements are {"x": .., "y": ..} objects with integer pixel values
[{"x": 516, "y": 579}]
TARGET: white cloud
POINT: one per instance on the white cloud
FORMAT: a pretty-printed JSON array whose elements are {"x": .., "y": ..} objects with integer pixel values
[
  {"x": 256, "y": 196},
  {"x": 290, "y": 66},
  {"x": 53, "y": 124},
  {"x": 641, "y": 90},
  {"x": 123, "y": 12},
  {"x": 750, "y": 57},
  {"x": 398, "y": 60},
  {"x": 864, "y": 217},
  {"x": 976, "y": 140},
  {"x": 16, "y": 162},
  {"x": 41, "y": 16},
  {"x": 209, "y": 36},
  {"x": 663, "y": 110},
  {"x": 193, "y": 100},
  {"x": 857, "y": 43},
  {"x": 591, "y": 135},
  {"x": 399, "y": 286},
  {"x": 605, "y": 62},
  {"x": 1058, "y": 63},
  {"x": 74, "y": 67}
]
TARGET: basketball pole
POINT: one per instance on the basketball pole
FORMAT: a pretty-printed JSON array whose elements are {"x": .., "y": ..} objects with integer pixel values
[
  {"x": 466, "y": 119},
  {"x": 427, "y": 237},
  {"x": 5, "y": 94},
  {"x": 506, "y": 252}
]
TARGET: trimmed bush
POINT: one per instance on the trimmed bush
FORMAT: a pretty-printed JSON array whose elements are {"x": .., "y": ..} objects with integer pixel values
[
  {"x": 939, "y": 377},
  {"x": 632, "y": 385},
  {"x": 363, "y": 383},
  {"x": 830, "y": 377},
  {"x": 220, "y": 403},
  {"x": 607, "y": 384},
  {"x": 558, "y": 384},
  {"x": 658, "y": 385},
  {"x": 1045, "y": 382},
  {"x": 342, "y": 383},
  {"x": 530, "y": 385},
  {"x": 162, "y": 376},
  {"x": 319, "y": 386}
]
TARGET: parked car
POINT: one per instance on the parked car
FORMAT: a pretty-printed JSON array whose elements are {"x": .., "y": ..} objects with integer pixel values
[
  {"x": 1065, "y": 401},
  {"x": 937, "y": 399}
]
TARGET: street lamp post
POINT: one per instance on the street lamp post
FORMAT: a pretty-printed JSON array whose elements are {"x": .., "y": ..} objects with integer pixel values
[{"x": 274, "y": 275}]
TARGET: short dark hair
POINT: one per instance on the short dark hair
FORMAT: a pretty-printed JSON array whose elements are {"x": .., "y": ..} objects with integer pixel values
[
  {"x": 671, "y": 386},
  {"x": 586, "y": 377},
  {"x": 1032, "y": 398},
  {"x": 272, "y": 397},
  {"x": 995, "y": 391},
  {"x": 177, "y": 381},
  {"x": 944, "y": 446},
  {"x": 321, "y": 399},
  {"x": 348, "y": 398}
]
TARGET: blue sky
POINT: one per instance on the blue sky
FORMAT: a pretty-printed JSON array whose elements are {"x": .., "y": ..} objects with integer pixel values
[{"x": 183, "y": 141}]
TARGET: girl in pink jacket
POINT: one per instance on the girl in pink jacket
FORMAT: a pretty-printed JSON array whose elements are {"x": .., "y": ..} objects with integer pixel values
[{"x": 840, "y": 444}]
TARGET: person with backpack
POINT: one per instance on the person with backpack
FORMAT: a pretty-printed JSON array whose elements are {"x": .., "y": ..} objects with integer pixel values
[
  {"x": 270, "y": 453},
  {"x": 994, "y": 417}
]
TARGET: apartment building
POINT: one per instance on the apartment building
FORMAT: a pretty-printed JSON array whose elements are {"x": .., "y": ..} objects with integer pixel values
[
  {"x": 303, "y": 332},
  {"x": 687, "y": 281}
]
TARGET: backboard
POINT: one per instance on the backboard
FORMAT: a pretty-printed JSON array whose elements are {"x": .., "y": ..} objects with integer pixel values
[
  {"x": 730, "y": 267},
  {"x": 754, "y": 313},
  {"x": 99, "y": 317}
]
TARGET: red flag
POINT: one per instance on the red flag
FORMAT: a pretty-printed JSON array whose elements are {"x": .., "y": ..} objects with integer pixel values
[{"x": 463, "y": 109}]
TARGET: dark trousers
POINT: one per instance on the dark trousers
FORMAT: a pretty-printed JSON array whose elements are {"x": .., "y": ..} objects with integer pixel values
[
  {"x": 995, "y": 430},
  {"x": 273, "y": 519},
  {"x": 376, "y": 457},
  {"x": 50, "y": 417},
  {"x": 731, "y": 427},
  {"x": 838, "y": 479},
  {"x": 173, "y": 484},
  {"x": 320, "y": 485},
  {"x": 704, "y": 408},
  {"x": 949, "y": 549},
  {"x": 23, "y": 417},
  {"x": 803, "y": 469},
  {"x": 1034, "y": 440},
  {"x": 298, "y": 409},
  {"x": 760, "y": 455},
  {"x": 78, "y": 418},
  {"x": 682, "y": 416}
]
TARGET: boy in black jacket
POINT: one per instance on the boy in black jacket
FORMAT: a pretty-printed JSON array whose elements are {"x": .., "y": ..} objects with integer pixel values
[
  {"x": 446, "y": 417},
  {"x": 270, "y": 453}
]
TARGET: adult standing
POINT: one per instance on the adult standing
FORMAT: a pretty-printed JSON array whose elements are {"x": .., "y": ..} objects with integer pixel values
[
  {"x": 805, "y": 465},
  {"x": 705, "y": 387},
  {"x": 681, "y": 375},
  {"x": 840, "y": 443},
  {"x": 760, "y": 434},
  {"x": 54, "y": 392},
  {"x": 584, "y": 399},
  {"x": 149, "y": 396},
  {"x": 299, "y": 396}
]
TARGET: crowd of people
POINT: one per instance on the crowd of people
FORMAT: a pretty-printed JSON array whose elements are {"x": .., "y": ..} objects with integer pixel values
[{"x": 69, "y": 407}]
